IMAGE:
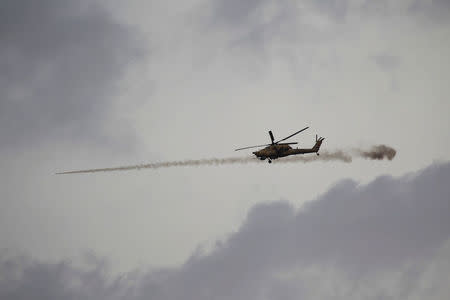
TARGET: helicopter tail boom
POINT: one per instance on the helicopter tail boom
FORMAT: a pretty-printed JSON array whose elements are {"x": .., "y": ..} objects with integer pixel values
[{"x": 314, "y": 149}]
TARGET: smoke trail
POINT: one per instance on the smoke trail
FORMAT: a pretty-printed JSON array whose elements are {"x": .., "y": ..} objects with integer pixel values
[
  {"x": 338, "y": 155},
  {"x": 375, "y": 153},
  {"x": 193, "y": 162},
  {"x": 378, "y": 152}
]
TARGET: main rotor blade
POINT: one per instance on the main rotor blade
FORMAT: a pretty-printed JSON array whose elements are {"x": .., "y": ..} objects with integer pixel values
[
  {"x": 252, "y": 147},
  {"x": 293, "y": 143},
  {"x": 291, "y": 135},
  {"x": 271, "y": 136}
]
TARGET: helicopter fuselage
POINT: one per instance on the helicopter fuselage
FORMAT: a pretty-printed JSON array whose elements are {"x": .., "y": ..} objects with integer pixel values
[
  {"x": 276, "y": 151},
  {"x": 273, "y": 151}
]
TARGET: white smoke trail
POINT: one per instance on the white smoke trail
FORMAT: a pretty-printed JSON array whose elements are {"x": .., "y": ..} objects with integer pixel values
[
  {"x": 338, "y": 155},
  {"x": 181, "y": 163},
  {"x": 376, "y": 152}
]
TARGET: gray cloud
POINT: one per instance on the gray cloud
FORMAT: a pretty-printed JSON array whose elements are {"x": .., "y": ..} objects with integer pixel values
[
  {"x": 60, "y": 61},
  {"x": 386, "y": 62},
  {"x": 254, "y": 23},
  {"x": 235, "y": 12},
  {"x": 387, "y": 239},
  {"x": 258, "y": 12},
  {"x": 336, "y": 9},
  {"x": 438, "y": 10},
  {"x": 257, "y": 23},
  {"x": 23, "y": 278}
]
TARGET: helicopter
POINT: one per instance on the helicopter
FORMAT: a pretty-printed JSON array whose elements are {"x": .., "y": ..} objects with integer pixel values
[{"x": 276, "y": 149}]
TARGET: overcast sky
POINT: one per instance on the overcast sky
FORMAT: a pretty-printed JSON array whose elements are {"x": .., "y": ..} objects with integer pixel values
[{"x": 92, "y": 84}]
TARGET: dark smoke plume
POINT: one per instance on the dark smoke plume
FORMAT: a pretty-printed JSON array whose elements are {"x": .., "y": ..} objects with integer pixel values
[{"x": 376, "y": 152}]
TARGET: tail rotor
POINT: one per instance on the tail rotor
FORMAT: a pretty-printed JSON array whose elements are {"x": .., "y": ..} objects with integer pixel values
[{"x": 318, "y": 144}]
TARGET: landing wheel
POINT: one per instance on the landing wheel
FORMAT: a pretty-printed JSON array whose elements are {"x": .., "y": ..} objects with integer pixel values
[
  {"x": 270, "y": 161},
  {"x": 317, "y": 153}
]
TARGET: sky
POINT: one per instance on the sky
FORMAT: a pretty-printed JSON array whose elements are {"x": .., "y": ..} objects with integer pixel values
[{"x": 94, "y": 84}]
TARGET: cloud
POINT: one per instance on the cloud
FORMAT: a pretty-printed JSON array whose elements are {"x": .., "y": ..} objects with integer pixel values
[
  {"x": 22, "y": 278},
  {"x": 236, "y": 12},
  {"x": 253, "y": 24},
  {"x": 260, "y": 23},
  {"x": 387, "y": 239},
  {"x": 61, "y": 63},
  {"x": 386, "y": 62},
  {"x": 437, "y": 10},
  {"x": 257, "y": 12}
]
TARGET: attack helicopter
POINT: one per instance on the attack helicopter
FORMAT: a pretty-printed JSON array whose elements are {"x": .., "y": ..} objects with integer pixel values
[{"x": 276, "y": 149}]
